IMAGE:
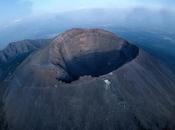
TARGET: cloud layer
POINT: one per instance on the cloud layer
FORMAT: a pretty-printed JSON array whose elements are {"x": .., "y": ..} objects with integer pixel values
[
  {"x": 43, "y": 6},
  {"x": 13, "y": 10}
]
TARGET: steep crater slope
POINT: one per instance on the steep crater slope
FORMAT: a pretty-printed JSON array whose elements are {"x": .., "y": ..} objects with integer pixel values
[{"x": 92, "y": 52}]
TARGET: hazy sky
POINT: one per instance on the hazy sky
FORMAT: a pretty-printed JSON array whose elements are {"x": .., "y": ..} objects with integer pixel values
[{"x": 15, "y": 10}]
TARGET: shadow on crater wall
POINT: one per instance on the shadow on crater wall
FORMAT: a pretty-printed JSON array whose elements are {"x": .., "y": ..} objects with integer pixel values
[{"x": 99, "y": 63}]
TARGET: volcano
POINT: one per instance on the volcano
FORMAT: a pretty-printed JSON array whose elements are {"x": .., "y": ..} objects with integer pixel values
[{"x": 89, "y": 79}]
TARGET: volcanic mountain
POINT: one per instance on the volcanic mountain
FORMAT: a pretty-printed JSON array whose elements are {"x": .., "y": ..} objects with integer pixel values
[
  {"x": 16, "y": 52},
  {"x": 89, "y": 79}
]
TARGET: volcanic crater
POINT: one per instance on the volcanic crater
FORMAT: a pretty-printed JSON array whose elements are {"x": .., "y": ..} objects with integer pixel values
[{"x": 90, "y": 52}]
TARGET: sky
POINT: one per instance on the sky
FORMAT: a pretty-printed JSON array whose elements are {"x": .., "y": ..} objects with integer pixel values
[{"x": 13, "y": 11}]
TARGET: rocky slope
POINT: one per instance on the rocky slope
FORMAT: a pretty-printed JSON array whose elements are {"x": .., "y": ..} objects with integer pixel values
[
  {"x": 90, "y": 79},
  {"x": 16, "y": 52}
]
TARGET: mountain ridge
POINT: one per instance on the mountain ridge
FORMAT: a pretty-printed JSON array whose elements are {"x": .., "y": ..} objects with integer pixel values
[{"x": 16, "y": 52}]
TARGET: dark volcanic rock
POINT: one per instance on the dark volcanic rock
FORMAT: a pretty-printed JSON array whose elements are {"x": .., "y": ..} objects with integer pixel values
[
  {"x": 16, "y": 52},
  {"x": 138, "y": 94},
  {"x": 91, "y": 52},
  {"x": 17, "y": 48}
]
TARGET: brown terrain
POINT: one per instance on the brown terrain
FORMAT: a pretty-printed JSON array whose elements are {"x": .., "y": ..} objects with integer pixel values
[{"x": 86, "y": 79}]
